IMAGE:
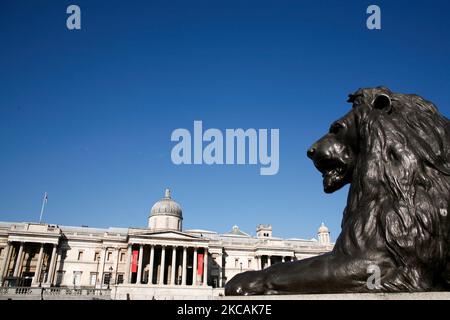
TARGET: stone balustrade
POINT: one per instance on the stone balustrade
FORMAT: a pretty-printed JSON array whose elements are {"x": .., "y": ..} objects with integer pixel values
[{"x": 53, "y": 293}]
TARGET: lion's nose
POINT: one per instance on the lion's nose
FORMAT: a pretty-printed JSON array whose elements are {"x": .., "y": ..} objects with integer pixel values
[{"x": 311, "y": 152}]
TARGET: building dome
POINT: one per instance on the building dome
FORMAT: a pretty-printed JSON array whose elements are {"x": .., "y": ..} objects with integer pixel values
[
  {"x": 166, "y": 206},
  {"x": 323, "y": 229},
  {"x": 166, "y": 214}
]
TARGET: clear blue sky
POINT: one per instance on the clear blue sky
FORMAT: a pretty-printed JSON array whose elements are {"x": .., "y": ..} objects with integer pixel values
[{"x": 87, "y": 115}]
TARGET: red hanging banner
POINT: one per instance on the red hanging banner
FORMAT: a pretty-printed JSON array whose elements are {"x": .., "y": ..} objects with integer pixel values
[
  {"x": 134, "y": 261},
  {"x": 200, "y": 264}
]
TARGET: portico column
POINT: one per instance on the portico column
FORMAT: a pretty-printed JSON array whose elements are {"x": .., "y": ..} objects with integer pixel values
[
  {"x": 18, "y": 261},
  {"x": 282, "y": 259},
  {"x": 183, "y": 277},
  {"x": 163, "y": 262},
  {"x": 37, "y": 273},
  {"x": 139, "y": 270},
  {"x": 128, "y": 266},
  {"x": 269, "y": 263},
  {"x": 5, "y": 262},
  {"x": 194, "y": 269},
  {"x": 205, "y": 268},
  {"x": 258, "y": 263},
  {"x": 150, "y": 271},
  {"x": 220, "y": 270},
  {"x": 52, "y": 266},
  {"x": 172, "y": 270}
]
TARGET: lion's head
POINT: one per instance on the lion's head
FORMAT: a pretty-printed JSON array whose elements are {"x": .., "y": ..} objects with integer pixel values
[
  {"x": 394, "y": 150},
  {"x": 383, "y": 122}
]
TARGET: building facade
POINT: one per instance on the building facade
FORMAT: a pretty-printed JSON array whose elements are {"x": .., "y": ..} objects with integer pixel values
[{"x": 161, "y": 260}]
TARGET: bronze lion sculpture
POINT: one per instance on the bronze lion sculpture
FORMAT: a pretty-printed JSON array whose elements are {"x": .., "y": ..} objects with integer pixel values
[{"x": 394, "y": 150}]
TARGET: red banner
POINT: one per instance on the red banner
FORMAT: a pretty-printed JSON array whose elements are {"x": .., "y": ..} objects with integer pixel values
[
  {"x": 134, "y": 261},
  {"x": 200, "y": 264}
]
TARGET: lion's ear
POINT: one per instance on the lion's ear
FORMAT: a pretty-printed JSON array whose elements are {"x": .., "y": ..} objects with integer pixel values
[{"x": 382, "y": 102}]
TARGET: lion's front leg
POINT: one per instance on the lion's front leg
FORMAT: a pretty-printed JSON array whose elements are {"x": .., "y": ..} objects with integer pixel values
[
  {"x": 247, "y": 283},
  {"x": 327, "y": 273}
]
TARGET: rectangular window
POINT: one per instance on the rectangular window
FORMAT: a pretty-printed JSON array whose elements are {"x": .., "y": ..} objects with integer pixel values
[
  {"x": 93, "y": 278},
  {"x": 122, "y": 257},
  {"x": 1, "y": 251},
  {"x": 109, "y": 256},
  {"x": 119, "y": 278},
  {"x": 97, "y": 256},
  {"x": 77, "y": 278},
  {"x": 107, "y": 278},
  {"x": 80, "y": 255}
]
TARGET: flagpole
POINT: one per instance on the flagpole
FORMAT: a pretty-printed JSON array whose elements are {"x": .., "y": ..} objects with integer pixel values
[{"x": 43, "y": 206}]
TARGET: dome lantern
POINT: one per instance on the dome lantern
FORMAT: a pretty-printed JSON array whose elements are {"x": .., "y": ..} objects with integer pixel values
[{"x": 323, "y": 234}]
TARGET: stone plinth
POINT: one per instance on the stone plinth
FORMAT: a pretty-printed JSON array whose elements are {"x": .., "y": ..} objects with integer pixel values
[
  {"x": 163, "y": 292},
  {"x": 350, "y": 296}
]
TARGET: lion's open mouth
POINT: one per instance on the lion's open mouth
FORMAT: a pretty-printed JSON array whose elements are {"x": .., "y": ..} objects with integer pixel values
[{"x": 334, "y": 173}]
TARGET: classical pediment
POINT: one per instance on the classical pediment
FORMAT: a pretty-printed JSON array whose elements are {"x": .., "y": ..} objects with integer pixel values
[{"x": 165, "y": 235}]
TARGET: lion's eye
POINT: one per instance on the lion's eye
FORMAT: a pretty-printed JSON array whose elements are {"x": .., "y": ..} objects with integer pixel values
[{"x": 336, "y": 127}]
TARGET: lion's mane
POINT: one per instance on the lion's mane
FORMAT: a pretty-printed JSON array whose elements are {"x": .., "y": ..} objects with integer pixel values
[{"x": 399, "y": 198}]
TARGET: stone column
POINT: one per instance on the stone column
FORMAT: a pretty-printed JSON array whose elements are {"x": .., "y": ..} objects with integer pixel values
[
  {"x": 205, "y": 268},
  {"x": 37, "y": 273},
  {"x": 128, "y": 266},
  {"x": 5, "y": 262},
  {"x": 117, "y": 265},
  {"x": 150, "y": 271},
  {"x": 173, "y": 268},
  {"x": 194, "y": 269},
  {"x": 269, "y": 263},
  {"x": 220, "y": 263},
  {"x": 139, "y": 270},
  {"x": 282, "y": 259},
  {"x": 258, "y": 263},
  {"x": 163, "y": 262},
  {"x": 102, "y": 270},
  {"x": 183, "y": 277},
  {"x": 18, "y": 261},
  {"x": 51, "y": 266}
]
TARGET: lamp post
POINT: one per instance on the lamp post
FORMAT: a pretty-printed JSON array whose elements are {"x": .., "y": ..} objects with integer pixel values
[{"x": 42, "y": 273}]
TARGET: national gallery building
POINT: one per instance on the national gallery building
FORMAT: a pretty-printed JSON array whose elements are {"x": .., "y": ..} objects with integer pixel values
[{"x": 161, "y": 261}]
